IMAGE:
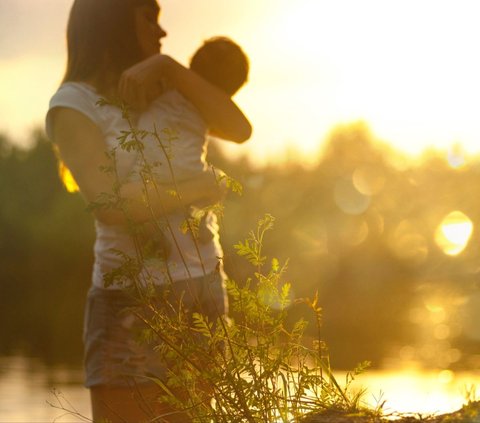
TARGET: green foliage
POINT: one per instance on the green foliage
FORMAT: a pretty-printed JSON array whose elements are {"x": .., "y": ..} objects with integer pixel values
[
  {"x": 45, "y": 255},
  {"x": 252, "y": 365},
  {"x": 251, "y": 248},
  {"x": 125, "y": 273},
  {"x": 105, "y": 201},
  {"x": 231, "y": 183}
]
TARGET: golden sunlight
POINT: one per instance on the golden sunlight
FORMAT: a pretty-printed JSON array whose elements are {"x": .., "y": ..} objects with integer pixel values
[
  {"x": 405, "y": 67},
  {"x": 349, "y": 60},
  {"x": 428, "y": 391},
  {"x": 67, "y": 178},
  {"x": 453, "y": 233}
]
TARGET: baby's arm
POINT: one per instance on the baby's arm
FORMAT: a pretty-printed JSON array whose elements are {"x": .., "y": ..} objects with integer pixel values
[{"x": 217, "y": 109}]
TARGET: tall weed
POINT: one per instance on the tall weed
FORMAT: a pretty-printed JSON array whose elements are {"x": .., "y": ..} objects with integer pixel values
[{"x": 250, "y": 367}]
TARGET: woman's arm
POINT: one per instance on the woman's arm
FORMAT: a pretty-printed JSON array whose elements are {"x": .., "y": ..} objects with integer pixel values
[
  {"x": 84, "y": 151},
  {"x": 140, "y": 82}
]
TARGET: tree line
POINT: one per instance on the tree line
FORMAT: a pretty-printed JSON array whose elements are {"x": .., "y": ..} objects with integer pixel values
[{"x": 361, "y": 227}]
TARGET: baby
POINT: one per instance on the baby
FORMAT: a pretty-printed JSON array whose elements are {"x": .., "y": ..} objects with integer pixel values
[{"x": 179, "y": 151}]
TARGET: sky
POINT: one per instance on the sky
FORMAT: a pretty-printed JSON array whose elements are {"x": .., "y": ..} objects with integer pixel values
[{"x": 409, "y": 68}]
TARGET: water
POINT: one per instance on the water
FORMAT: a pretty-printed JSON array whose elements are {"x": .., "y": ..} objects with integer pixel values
[
  {"x": 419, "y": 391},
  {"x": 26, "y": 389}
]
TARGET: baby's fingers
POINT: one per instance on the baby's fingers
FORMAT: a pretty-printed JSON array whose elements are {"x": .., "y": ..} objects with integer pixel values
[{"x": 131, "y": 91}]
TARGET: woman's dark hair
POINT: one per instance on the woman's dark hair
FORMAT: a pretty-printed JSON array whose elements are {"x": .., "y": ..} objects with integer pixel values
[
  {"x": 221, "y": 62},
  {"x": 102, "y": 41}
]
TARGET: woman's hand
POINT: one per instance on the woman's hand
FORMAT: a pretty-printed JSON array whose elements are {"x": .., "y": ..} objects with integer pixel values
[
  {"x": 82, "y": 148},
  {"x": 142, "y": 82},
  {"x": 204, "y": 190}
]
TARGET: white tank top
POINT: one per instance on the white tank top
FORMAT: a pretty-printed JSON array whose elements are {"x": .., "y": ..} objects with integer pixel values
[{"x": 185, "y": 260}]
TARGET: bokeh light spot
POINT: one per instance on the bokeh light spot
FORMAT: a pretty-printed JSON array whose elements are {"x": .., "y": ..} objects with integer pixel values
[
  {"x": 438, "y": 316},
  {"x": 349, "y": 199},
  {"x": 368, "y": 180},
  {"x": 453, "y": 355},
  {"x": 441, "y": 332},
  {"x": 456, "y": 157},
  {"x": 453, "y": 233},
  {"x": 354, "y": 232},
  {"x": 407, "y": 243}
]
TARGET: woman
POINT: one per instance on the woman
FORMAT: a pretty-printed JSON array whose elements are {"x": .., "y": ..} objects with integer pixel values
[{"x": 114, "y": 53}]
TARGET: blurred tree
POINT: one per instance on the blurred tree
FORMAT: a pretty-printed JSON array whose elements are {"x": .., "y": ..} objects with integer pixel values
[
  {"x": 359, "y": 227},
  {"x": 45, "y": 253}
]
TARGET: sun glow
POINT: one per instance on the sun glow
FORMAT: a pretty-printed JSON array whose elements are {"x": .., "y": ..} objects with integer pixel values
[
  {"x": 412, "y": 389},
  {"x": 407, "y": 68}
]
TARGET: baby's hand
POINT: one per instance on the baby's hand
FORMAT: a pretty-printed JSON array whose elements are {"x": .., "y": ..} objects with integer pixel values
[{"x": 143, "y": 82}]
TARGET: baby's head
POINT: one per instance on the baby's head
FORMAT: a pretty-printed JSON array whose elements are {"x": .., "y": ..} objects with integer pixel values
[{"x": 222, "y": 63}]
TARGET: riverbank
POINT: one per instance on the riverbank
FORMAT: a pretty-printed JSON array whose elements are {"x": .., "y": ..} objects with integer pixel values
[
  {"x": 468, "y": 414},
  {"x": 26, "y": 385}
]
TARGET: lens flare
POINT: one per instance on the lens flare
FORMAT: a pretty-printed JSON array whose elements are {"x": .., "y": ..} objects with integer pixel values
[{"x": 453, "y": 233}]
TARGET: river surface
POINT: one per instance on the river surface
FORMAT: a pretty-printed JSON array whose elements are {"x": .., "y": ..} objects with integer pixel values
[{"x": 30, "y": 392}]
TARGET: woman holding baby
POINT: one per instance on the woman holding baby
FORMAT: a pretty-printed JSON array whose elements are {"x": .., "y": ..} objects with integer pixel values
[{"x": 114, "y": 53}]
